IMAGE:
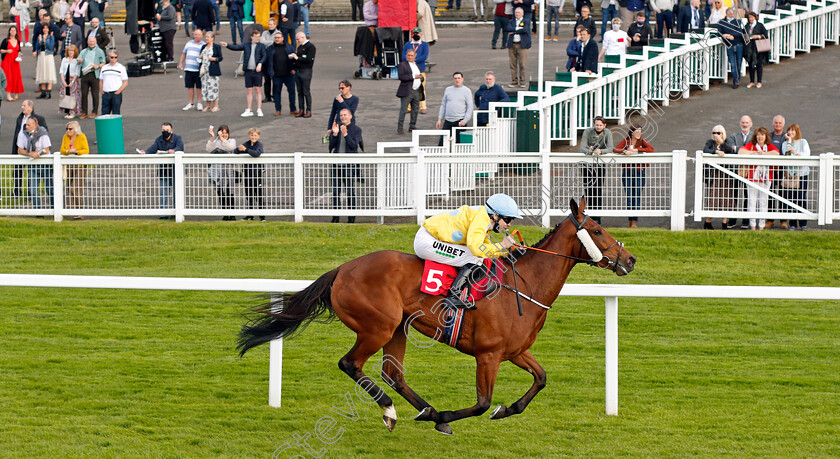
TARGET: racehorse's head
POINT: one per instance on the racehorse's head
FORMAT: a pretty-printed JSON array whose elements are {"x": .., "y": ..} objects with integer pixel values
[{"x": 603, "y": 249}]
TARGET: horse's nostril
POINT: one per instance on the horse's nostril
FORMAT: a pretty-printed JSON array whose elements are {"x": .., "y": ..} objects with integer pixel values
[{"x": 631, "y": 260}]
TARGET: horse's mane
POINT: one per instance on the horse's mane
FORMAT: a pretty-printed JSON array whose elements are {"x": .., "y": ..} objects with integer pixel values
[{"x": 516, "y": 255}]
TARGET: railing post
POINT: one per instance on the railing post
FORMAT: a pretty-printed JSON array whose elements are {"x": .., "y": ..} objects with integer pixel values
[
  {"x": 275, "y": 359},
  {"x": 420, "y": 183},
  {"x": 678, "y": 185},
  {"x": 825, "y": 196},
  {"x": 611, "y": 371},
  {"x": 298, "y": 180},
  {"x": 180, "y": 186},
  {"x": 58, "y": 187},
  {"x": 698, "y": 185},
  {"x": 545, "y": 196}
]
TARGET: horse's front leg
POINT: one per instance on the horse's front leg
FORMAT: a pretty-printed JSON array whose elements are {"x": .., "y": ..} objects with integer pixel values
[
  {"x": 527, "y": 362},
  {"x": 487, "y": 368}
]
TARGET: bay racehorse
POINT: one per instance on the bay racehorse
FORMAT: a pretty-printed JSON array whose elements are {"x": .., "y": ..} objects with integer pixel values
[{"x": 378, "y": 297}]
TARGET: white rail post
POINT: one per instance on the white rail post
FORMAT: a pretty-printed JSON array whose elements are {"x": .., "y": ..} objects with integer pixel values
[
  {"x": 611, "y": 350},
  {"x": 275, "y": 360},
  {"x": 297, "y": 167},
  {"x": 180, "y": 190},
  {"x": 698, "y": 185},
  {"x": 420, "y": 183},
  {"x": 58, "y": 187},
  {"x": 678, "y": 185}
]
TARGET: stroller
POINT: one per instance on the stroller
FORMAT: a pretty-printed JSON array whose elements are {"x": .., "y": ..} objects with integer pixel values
[{"x": 379, "y": 52}]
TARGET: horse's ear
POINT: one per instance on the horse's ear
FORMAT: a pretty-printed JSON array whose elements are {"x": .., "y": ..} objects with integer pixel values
[
  {"x": 582, "y": 204},
  {"x": 573, "y": 206}
]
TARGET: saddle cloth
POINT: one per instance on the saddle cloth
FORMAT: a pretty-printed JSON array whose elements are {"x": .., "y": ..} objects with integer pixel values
[{"x": 438, "y": 277}]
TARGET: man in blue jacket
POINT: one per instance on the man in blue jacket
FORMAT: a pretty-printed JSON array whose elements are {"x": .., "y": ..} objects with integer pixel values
[
  {"x": 588, "y": 61},
  {"x": 168, "y": 142},
  {"x": 346, "y": 138},
  {"x": 488, "y": 92},
  {"x": 519, "y": 41},
  {"x": 204, "y": 15},
  {"x": 691, "y": 17},
  {"x": 236, "y": 13},
  {"x": 281, "y": 69}
]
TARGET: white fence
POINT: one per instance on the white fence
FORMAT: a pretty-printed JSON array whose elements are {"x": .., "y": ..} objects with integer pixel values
[{"x": 611, "y": 294}]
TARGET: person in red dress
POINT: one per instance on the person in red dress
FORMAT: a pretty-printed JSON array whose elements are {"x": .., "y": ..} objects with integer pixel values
[{"x": 10, "y": 50}]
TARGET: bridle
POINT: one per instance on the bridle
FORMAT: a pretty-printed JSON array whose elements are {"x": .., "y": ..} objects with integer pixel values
[{"x": 596, "y": 256}]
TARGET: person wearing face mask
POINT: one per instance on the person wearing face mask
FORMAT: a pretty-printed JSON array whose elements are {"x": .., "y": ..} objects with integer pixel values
[
  {"x": 167, "y": 143},
  {"x": 755, "y": 60},
  {"x": 421, "y": 54},
  {"x": 595, "y": 141},
  {"x": 639, "y": 32},
  {"x": 488, "y": 92},
  {"x": 37, "y": 144},
  {"x": 616, "y": 41}
]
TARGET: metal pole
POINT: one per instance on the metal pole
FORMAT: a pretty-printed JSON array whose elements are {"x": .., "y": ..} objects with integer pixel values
[
  {"x": 611, "y": 303},
  {"x": 544, "y": 144}
]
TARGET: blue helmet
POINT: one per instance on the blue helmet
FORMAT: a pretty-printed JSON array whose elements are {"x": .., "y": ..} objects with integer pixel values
[{"x": 503, "y": 205}]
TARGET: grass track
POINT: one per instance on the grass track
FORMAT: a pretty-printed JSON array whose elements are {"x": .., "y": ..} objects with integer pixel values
[{"x": 106, "y": 373}]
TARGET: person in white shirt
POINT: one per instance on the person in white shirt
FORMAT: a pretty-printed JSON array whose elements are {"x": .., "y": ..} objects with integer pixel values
[
  {"x": 35, "y": 144},
  {"x": 616, "y": 41},
  {"x": 113, "y": 79}
]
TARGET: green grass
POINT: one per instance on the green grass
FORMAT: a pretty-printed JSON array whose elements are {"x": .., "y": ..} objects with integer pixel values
[{"x": 109, "y": 373}]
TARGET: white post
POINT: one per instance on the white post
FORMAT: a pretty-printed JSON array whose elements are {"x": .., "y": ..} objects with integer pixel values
[
  {"x": 826, "y": 189},
  {"x": 419, "y": 183},
  {"x": 180, "y": 186},
  {"x": 298, "y": 184},
  {"x": 545, "y": 144},
  {"x": 678, "y": 184},
  {"x": 275, "y": 362},
  {"x": 611, "y": 373},
  {"x": 698, "y": 185},
  {"x": 58, "y": 187},
  {"x": 545, "y": 195}
]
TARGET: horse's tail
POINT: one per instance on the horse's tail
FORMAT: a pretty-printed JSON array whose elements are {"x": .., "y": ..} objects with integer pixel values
[{"x": 285, "y": 316}]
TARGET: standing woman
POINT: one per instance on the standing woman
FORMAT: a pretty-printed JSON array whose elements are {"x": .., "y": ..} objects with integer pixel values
[
  {"x": 70, "y": 72},
  {"x": 44, "y": 51},
  {"x": 23, "y": 20},
  {"x": 75, "y": 142},
  {"x": 720, "y": 185},
  {"x": 796, "y": 176},
  {"x": 760, "y": 175},
  {"x": 755, "y": 60},
  {"x": 633, "y": 175},
  {"x": 210, "y": 56},
  {"x": 10, "y": 49},
  {"x": 222, "y": 175},
  {"x": 79, "y": 9}
]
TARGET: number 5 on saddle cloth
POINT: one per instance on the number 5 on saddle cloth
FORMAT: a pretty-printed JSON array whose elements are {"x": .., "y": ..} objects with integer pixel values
[{"x": 438, "y": 277}]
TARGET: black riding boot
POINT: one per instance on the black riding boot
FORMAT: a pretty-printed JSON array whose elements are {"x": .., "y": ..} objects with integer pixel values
[{"x": 459, "y": 292}]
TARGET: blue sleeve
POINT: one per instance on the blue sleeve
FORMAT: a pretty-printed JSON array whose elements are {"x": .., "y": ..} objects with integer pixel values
[
  {"x": 503, "y": 97},
  {"x": 477, "y": 96},
  {"x": 354, "y": 138},
  {"x": 155, "y": 146},
  {"x": 352, "y": 104},
  {"x": 333, "y": 114},
  {"x": 179, "y": 143},
  {"x": 234, "y": 47},
  {"x": 422, "y": 53}
]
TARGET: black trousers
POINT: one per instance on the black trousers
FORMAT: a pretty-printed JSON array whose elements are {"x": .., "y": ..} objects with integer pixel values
[
  {"x": 343, "y": 176},
  {"x": 303, "y": 78},
  {"x": 267, "y": 94},
  {"x": 447, "y": 126},
  {"x": 593, "y": 184},
  {"x": 90, "y": 84},
  {"x": 168, "y": 45},
  {"x": 254, "y": 186},
  {"x": 354, "y": 4}
]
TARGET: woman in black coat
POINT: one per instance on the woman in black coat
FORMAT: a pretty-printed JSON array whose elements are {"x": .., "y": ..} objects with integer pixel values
[
  {"x": 209, "y": 71},
  {"x": 755, "y": 60}
]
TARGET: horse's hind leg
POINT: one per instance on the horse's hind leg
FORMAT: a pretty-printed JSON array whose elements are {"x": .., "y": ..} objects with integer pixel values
[
  {"x": 393, "y": 370},
  {"x": 527, "y": 362},
  {"x": 353, "y": 362}
]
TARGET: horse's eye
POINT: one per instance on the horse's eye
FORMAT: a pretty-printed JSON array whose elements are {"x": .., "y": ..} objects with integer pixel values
[{"x": 597, "y": 232}]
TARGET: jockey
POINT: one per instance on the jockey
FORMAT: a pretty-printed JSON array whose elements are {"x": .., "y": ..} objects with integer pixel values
[{"x": 460, "y": 238}]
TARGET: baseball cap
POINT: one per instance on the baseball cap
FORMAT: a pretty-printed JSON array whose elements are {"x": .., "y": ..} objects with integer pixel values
[{"x": 417, "y": 29}]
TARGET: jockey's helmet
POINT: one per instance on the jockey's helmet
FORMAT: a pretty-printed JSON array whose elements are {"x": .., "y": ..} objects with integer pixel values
[{"x": 503, "y": 205}]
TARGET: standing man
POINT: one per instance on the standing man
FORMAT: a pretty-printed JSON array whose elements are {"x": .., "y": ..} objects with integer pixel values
[
  {"x": 282, "y": 70},
  {"x": 113, "y": 78},
  {"x": 609, "y": 11},
  {"x": 411, "y": 80},
  {"x": 96, "y": 8},
  {"x": 204, "y": 15},
  {"x": 501, "y": 16},
  {"x": 777, "y": 138},
  {"x": 168, "y": 25},
  {"x": 733, "y": 37},
  {"x": 189, "y": 64},
  {"x": 343, "y": 100},
  {"x": 167, "y": 143},
  {"x": 596, "y": 141},
  {"x": 253, "y": 60},
  {"x": 345, "y": 138},
  {"x": 616, "y": 41},
  {"x": 588, "y": 61},
  {"x": 289, "y": 17},
  {"x": 456, "y": 107},
  {"x": 628, "y": 12},
  {"x": 267, "y": 39},
  {"x": 99, "y": 33},
  {"x": 217, "y": 5},
  {"x": 739, "y": 139},
  {"x": 36, "y": 143},
  {"x": 186, "y": 9},
  {"x": 304, "y": 14},
  {"x": 664, "y": 10},
  {"x": 518, "y": 43},
  {"x": 357, "y": 5},
  {"x": 691, "y": 17},
  {"x": 371, "y": 10},
  {"x": 421, "y": 54},
  {"x": 587, "y": 21},
  {"x": 91, "y": 60},
  {"x": 70, "y": 34},
  {"x": 27, "y": 110},
  {"x": 304, "y": 57},
  {"x": 236, "y": 13},
  {"x": 488, "y": 92},
  {"x": 44, "y": 18}
]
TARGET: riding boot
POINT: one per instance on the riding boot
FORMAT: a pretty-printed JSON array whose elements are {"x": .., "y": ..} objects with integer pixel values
[{"x": 459, "y": 292}]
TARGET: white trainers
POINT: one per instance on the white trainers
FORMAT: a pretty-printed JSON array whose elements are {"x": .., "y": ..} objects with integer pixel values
[
  {"x": 247, "y": 113},
  {"x": 199, "y": 107},
  {"x": 188, "y": 107},
  {"x": 259, "y": 112}
]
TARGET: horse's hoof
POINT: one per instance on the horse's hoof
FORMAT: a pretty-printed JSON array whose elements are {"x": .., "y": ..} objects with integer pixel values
[
  {"x": 499, "y": 412},
  {"x": 389, "y": 423},
  {"x": 444, "y": 428},
  {"x": 426, "y": 415}
]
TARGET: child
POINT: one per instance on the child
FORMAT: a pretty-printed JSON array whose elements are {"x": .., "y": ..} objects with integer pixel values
[{"x": 253, "y": 172}]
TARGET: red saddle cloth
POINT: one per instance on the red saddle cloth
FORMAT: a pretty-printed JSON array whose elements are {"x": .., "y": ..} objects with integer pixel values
[{"x": 438, "y": 277}]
